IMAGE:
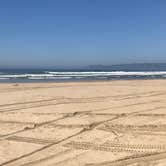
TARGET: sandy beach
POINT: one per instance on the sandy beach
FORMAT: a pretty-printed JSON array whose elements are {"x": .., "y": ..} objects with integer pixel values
[{"x": 104, "y": 123}]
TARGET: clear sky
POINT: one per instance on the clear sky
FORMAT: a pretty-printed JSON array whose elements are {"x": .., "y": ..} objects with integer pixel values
[{"x": 76, "y": 33}]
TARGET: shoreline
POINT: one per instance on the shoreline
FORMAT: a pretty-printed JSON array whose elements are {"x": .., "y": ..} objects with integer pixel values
[{"x": 78, "y": 81}]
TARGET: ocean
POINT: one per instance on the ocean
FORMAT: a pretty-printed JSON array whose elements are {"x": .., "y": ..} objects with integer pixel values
[{"x": 50, "y": 75}]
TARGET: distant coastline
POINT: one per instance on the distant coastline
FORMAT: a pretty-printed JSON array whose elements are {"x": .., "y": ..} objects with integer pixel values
[{"x": 131, "y": 67}]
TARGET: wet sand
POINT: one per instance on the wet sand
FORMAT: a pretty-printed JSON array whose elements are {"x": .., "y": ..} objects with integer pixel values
[{"x": 109, "y": 123}]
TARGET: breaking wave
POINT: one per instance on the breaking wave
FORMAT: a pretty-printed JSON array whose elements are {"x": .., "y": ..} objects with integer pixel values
[{"x": 51, "y": 75}]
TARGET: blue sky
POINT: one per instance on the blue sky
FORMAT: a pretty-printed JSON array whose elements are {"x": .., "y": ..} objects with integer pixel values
[{"x": 76, "y": 33}]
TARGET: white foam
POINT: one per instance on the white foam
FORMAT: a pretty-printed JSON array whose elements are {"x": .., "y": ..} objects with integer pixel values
[
  {"x": 116, "y": 73},
  {"x": 79, "y": 75},
  {"x": 14, "y": 76},
  {"x": 41, "y": 78},
  {"x": 1, "y": 78}
]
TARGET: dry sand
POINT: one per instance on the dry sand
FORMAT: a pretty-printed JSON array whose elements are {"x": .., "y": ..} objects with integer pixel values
[{"x": 114, "y": 123}]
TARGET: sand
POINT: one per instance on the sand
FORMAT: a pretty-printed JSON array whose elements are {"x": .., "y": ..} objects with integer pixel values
[{"x": 106, "y": 123}]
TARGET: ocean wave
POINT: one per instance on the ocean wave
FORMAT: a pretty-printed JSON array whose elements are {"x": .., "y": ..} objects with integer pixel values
[
  {"x": 83, "y": 75},
  {"x": 120, "y": 73},
  {"x": 25, "y": 75},
  {"x": 41, "y": 78},
  {"x": 1, "y": 78}
]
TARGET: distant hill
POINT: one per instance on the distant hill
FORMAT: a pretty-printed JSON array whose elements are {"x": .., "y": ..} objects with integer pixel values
[{"x": 131, "y": 67}]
